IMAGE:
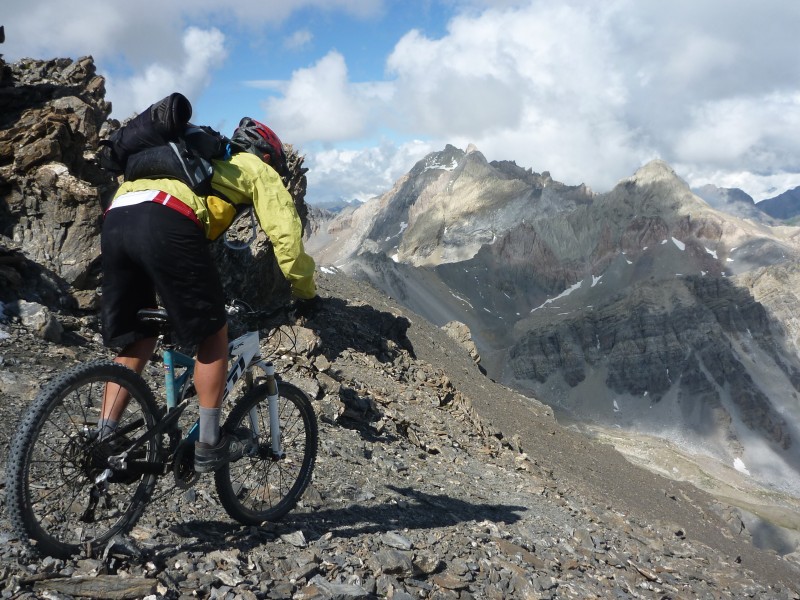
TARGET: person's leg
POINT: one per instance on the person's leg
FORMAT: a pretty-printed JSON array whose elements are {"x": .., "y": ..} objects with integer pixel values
[
  {"x": 213, "y": 448},
  {"x": 115, "y": 399},
  {"x": 209, "y": 380},
  {"x": 126, "y": 289}
]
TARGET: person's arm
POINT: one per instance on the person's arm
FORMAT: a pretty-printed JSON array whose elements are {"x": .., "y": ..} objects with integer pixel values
[{"x": 245, "y": 179}]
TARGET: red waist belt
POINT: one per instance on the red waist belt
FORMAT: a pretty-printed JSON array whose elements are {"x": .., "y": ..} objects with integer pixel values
[{"x": 161, "y": 198}]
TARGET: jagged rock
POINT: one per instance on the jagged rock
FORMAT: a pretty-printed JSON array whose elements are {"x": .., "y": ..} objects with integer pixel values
[
  {"x": 109, "y": 587},
  {"x": 461, "y": 333},
  {"x": 321, "y": 589},
  {"x": 40, "y": 321}
]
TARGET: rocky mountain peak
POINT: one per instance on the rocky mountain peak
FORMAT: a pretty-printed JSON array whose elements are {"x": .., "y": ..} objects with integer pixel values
[{"x": 656, "y": 170}]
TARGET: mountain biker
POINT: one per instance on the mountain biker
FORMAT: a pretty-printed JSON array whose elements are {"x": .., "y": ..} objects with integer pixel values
[{"x": 155, "y": 241}]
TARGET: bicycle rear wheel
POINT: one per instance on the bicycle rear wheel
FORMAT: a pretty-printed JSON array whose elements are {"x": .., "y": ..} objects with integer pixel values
[
  {"x": 62, "y": 497},
  {"x": 262, "y": 487}
]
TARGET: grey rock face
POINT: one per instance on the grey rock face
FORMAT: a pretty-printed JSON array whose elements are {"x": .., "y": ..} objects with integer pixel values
[
  {"x": 784, "y": 206},
  {"x": 52, "y": 113}
]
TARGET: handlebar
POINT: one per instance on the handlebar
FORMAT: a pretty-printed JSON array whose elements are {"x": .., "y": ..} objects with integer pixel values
[{"x": 241, "y": 309}]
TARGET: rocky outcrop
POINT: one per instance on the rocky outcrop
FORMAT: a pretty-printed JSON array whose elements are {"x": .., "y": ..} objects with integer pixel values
[
  {"x": 53, "y": 113},
  {"x": 461, "y": 333}
]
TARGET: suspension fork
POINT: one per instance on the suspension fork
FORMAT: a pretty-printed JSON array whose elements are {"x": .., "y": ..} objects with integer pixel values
[{"x": 274, "y": 417}]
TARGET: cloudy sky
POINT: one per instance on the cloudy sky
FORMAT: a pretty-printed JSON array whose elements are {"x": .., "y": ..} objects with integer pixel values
[{"x": 587, "y": 90}]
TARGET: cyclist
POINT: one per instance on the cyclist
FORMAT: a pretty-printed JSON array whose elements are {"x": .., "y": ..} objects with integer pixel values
[{"x": 155, "y": 240}]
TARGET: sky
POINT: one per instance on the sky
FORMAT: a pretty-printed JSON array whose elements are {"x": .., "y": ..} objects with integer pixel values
[{"x": 589, "y": 91}]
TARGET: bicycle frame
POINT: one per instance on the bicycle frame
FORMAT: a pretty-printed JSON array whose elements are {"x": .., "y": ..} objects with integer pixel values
[{"x": 244, "y": 352}]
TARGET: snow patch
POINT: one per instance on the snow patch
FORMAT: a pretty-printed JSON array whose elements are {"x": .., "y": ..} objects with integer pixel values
[
  {"x": 739, "y": 465},
  {"x": 563, "y": 294},
  {"x": 434, "y": 163},
  {"x": 712, "y": 252},
  {"x": 328, "y": 270},
  {"x": 396, "y": 257},
  {"x": 596, "y": 280},
  {"x": 403, "y": 227},
  {"x": 616, "y": 406},
  {"x": 681, "y": 246},
  {"x": 457, "y": 297}
]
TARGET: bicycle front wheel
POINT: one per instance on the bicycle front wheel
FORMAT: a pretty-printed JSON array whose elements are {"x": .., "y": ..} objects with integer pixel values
[
  {"x": 62, "y": 496},
  {"x": 262, "y": 486}
]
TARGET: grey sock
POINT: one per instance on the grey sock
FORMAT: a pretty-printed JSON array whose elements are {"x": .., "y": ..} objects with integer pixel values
[
  {"x": 105, "y": 427},
  {"x": 209, "y": 426}
]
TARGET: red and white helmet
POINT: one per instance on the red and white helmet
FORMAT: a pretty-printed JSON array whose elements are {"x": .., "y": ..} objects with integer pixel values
[{"x": 256, "y": 138}]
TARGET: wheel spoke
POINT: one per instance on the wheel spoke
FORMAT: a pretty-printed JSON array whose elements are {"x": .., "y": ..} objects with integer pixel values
[
  {"x": 261, "y": 488},
  {"x": 55, "y": 502}
]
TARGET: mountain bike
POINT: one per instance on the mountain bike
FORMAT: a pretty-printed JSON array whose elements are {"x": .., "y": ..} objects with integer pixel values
[{"x": 70, "y": 489}]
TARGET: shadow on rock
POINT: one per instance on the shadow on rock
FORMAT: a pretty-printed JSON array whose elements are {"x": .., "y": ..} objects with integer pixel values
[
  {"x": 413, "y": 509},
  {"x": 343, "y": 328}
]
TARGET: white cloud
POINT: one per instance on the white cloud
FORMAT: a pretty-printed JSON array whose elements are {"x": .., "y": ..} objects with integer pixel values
[
  {"x": 299, "y": 39},
  {"x": 203, "y": 52},
  {"x": 149, "y": 42},
  {"x": 360, "y": 174},
  {"x": 591, "y": 91},
  {"x": 320, "y": 104}
]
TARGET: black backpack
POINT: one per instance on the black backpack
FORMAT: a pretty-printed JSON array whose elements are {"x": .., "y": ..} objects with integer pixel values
[{"x": 161, "y": 143}]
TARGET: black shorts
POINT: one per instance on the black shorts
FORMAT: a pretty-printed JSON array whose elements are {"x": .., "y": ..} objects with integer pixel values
[{"x": 148, "y": 250}]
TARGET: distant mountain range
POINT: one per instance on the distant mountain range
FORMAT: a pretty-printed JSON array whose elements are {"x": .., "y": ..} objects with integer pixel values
[
  {"x": 784, "y": 207},
  {"x": 651, "y": 307}
]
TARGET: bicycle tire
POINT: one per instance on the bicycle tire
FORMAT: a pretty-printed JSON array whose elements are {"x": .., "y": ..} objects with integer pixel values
[
  {"x": 55, "y": 459},
  {"x": 258, "y": 488}
]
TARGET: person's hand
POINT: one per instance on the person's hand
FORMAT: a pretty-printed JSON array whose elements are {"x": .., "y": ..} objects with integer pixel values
[{"x": 307, "y": 308}]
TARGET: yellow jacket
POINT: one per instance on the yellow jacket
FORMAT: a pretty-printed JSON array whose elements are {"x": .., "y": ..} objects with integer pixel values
[{"x": 246, "y": 179}]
